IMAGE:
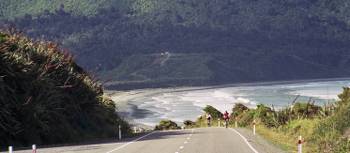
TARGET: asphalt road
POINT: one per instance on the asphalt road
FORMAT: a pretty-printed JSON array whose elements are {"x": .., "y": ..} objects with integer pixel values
[{"x": 203, "y": 140}]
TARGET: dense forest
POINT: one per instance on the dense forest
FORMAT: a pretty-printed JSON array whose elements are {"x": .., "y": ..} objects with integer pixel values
[
  {"x": 46, "y": 98},
  {"x": 136, "y": 43}
]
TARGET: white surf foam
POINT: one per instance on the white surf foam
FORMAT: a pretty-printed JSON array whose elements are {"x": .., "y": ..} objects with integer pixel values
[{"x": 179, "y": 106}]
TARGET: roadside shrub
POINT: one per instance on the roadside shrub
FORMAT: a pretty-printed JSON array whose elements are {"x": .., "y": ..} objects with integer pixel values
[
  {"x": 167, "y": 125},
  {"x": 330, "y": 132},
  {"x": 266, "y": 116},
  {"x": 215, "y": 114},
  {"x": 246, "y": 118},
  {"x": 306, "y": 110},
  {"x": 189, "y": 124},
  {"x": 238, "y": 109}
]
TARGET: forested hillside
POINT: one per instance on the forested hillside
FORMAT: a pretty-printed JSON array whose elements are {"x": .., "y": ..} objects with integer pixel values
[{"x": 226, "y": 41}]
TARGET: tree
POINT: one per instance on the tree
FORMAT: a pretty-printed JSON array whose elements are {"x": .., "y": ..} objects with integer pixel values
[{"x": 215, "y": 114}]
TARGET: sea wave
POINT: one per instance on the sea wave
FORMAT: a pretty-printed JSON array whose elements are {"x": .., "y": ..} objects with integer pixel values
[{"x": 188, "y": 104}]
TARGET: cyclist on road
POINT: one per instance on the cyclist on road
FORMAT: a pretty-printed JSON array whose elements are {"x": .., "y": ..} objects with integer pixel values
[
  {"x": 226, "y": 118},
  {"x": 208, "y": 119}
]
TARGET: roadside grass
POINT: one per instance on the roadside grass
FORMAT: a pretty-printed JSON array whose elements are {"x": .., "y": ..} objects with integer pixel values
[
  {"x": 323, "y": 129},
  {"x": 285, "y": 142},
  {"x": 286, "y": 137}
]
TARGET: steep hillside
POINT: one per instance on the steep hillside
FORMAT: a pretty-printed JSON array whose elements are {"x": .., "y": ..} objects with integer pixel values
[
  {"x": 46, "y": 98},
  {"x": 173, "y": 69},
  {"x": 278, "y": 40},
  {"x": 11, "y": 9}
]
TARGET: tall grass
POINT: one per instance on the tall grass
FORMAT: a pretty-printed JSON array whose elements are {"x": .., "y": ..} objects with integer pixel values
[{"x": 325, "y": 129}]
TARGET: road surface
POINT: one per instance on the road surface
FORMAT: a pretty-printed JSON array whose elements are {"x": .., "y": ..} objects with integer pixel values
[{"x": 203, "y": 140}]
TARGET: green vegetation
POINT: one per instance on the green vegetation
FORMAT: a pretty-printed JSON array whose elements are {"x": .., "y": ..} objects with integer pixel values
[
  {"x": 46, "y": 98},
  {"x": 324, "y": 129},
  {"x": 215, "y": 114},
  {"x": 145, "y": 70},
  {"x": 226, "y": 42},
  {"x": 11, "y": 9},
  {"x": 189, "y": 124},
  {"x": 167, "y": 125},
  {"x": 333, "y": 133},
  {"x": 202, "y": 120}
]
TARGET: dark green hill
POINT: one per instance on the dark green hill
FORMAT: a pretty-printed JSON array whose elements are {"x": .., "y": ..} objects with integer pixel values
[
  {"x": 46, "y": 98},
  {"x": 241, "y": 40}
]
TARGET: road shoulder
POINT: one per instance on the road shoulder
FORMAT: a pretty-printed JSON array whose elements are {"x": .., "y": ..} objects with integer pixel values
[{"x": 258, "y": 142}]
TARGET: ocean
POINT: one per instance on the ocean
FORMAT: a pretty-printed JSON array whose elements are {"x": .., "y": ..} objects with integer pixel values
[{"x": 187, "y": 103}]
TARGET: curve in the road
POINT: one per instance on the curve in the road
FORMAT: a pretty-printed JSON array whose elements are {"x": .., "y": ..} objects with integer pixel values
[{"x": 245, "y": 140}]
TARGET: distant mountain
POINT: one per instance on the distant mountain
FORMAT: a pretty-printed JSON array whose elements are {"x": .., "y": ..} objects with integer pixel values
[{"x": 210, "y": 42}]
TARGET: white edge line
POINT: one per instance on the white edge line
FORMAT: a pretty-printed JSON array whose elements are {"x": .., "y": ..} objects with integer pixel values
[
  {"x": 122, "y": 146},
  {"x": 245, "y": 140}
]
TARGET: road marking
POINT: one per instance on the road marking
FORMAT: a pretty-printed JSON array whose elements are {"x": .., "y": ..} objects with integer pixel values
[
  {"x": 181, "y": 147},
  {"x": 185, "y": 142},
  {"x": 245, "y": 140},
  {"x": 133, "y": 141},
  {"x": 188, "y": 138}
]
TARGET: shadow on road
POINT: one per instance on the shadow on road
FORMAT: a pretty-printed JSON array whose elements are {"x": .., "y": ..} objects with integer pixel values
[{"x": 155, "y": 136}]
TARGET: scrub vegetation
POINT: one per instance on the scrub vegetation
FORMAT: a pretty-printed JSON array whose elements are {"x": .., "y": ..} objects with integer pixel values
[
  {"x": 46, "y": 98},
  {"x": 323, "y": 128}
]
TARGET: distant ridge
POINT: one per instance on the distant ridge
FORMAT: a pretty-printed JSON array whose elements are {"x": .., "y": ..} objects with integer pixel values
[{"x": 210, "y": 42}]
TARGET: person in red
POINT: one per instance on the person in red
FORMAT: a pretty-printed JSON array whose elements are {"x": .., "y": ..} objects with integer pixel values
[{"x": 226, "y": 118}]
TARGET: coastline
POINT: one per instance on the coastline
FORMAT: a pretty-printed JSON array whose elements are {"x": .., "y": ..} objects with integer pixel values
[{"x": 130, "y": 111}]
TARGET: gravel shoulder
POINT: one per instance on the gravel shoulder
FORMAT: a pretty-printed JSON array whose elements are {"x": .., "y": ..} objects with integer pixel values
[{"x": 259, "y": 142}]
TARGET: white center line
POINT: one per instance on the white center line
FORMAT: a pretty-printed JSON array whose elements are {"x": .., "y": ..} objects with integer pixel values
[
  {"x": 181, "y": 147},
  {"x": 122, "y": 146}
]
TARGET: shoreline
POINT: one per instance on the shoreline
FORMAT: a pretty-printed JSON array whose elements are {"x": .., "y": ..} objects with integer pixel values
[
  {"x": 243, "y": 84},
  {"x": 132, "y": 112}
]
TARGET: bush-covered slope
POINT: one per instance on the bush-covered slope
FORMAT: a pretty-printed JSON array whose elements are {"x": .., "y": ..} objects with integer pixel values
[
  {"x": 324, "y": 129},
  {"x": 251, "y": 40},
  {"x": 46, "y": 98}
]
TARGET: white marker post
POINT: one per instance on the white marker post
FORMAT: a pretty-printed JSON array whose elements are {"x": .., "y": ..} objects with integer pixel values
[
  {"x": 34, "y": 148},
  {"x": 120, "y": 132},
  {"x": 236, "y": 125},
  {"x": 218, "y": 122},
  {"x": 10, "y": 149},
  {"x": 254, "y": 127},
  {"x": 300, "y": 145},
  {"x": 135, "y": 129}
]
